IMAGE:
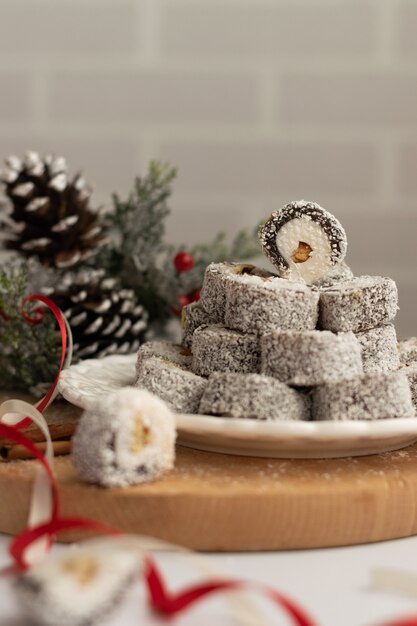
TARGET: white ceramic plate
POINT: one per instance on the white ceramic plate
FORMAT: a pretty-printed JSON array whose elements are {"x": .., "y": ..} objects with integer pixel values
[{"x": 85, "y": 382}]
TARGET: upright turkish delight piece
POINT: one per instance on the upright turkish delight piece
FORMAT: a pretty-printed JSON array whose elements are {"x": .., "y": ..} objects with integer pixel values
[
  {"x": 303, "y": 241},
  {"x": 311, "y": 357},
  {"x": 175, "y": 384},
  {"x": 379, "y": 349},
  {"x": 366, "y": 397},
  {"x": 358, "y": 304},
  {"x": 407, "y": 351},
  {"x": 256, "y": 304},
  {"x": 253, "y": 396},
  {"x": 126, "y": 437},
  {"x": 216, "y": 348}
]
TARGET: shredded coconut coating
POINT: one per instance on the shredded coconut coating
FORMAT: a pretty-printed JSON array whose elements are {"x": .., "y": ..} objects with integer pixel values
[
  {"x": 77, "y": 587},
  {"x": 165, "y": 349},
  {"x": 407, "y": 351},
  {"x": 308, "y": 223},
  {"x": 257, "y": 305},
  {"x": 193, "y": 315},
  {"x": 358, "y": 304},
  {"x": 125, "y": 438},
  {"x": 379, "y": 349},
  {"x": 310, "y": 358},
  {"x": 366, "y": 397},
  {"x": 178, "y": 387},
  {"x": 253, "y": 396},
  {"x": 338, "y": 274},
  {"x": 411, "y": 372},
  {"x": 216, "y": 348},
  {"x": 213, "y": 292}
]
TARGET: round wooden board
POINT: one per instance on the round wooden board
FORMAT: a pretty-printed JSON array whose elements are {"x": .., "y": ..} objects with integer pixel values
[{"x": 215, "y": 502}]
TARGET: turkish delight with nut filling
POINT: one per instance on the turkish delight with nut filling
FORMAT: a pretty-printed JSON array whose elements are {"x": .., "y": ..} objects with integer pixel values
[
  {"x": 253, "y": 396},
  {"x": 216, "y": 348},
  {"x": 175, "y": 384},
  {"x": 124, "y": 438},
  {"x": 79, "y": 586},
  {"x": 257, "y": 304},
  {"x": 216, "y": 277},
  {"x": 367, "y": 397},
  {"x": 310, "y": 358},
  {"x": 171, "y": 351},
  {"x": 193, "y": 315},
  {"x": 303, "y": 241},
  {"x": 358, "y": 304},
  {"x": 379, "y": 349}
]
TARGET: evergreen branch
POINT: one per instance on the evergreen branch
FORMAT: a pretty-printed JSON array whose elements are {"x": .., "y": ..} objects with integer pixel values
[
  {"x": 139, "y": 256},
  {"x": 29, "y": 355},
  {"x": 138, "y": 224}
]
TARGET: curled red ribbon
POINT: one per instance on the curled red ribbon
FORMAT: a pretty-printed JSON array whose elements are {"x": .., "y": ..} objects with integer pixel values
[
  {"x": 10, "y": 433},
  {"x": 24, "y": 540},
  {"x": 37, "y": 319},
  {"x": 161, "y": 600},
  {"x": 171, "y": 604}
]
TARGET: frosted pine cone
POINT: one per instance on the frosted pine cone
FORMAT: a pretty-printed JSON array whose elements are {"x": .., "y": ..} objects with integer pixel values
[
  {"x": 49, "y": 215},
  {"x": 104, "y": 318}
]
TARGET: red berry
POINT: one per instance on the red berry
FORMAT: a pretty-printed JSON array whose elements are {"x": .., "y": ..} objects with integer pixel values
[
  {"x": 183, "y": 262},
  {"x": 183, "y": 300},
  {"x": 186, "y": 298}
]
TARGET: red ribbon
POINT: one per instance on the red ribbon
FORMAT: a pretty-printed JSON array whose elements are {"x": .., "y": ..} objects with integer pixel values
[
  {"x": 10, "y": 432},
  {"x": 170, "y": 604},
  {"x": 38, "y": 319},
  {"x": 23, "y": 540},
  {"x": 161, "y": 600}
]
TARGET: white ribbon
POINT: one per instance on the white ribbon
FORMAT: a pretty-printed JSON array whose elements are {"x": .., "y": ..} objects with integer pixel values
[
  {"x": 41, "y": 503},
  {"x": 41, "y": 506},
  {"x": 40, "y": 510}
]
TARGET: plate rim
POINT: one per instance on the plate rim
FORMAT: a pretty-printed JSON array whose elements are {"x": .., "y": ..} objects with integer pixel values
[{"x": 325, "y": 429}]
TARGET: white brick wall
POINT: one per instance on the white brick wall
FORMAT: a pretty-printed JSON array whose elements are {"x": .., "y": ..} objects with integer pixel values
[
  {"x": 268, "y": 30},
  {"x": 151, "y": 98},
  {"x": 257, "y": 102}
]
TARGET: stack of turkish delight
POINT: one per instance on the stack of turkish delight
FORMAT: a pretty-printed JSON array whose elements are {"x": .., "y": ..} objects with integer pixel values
[{"x": 305, "y": 341}]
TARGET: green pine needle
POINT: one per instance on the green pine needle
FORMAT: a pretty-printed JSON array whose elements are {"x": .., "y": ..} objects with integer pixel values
[
  {"x": 29, "y": 355},
  {"x": 137, "y": 254},
  {"x": 140, "y": 257}
]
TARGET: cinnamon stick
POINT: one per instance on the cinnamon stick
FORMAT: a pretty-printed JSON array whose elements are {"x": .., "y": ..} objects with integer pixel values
[
  {"x": 15, "y": 453},
  {"x": 62, "y": 419}
]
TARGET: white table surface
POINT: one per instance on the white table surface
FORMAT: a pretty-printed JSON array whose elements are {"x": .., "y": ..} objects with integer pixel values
[{"x": 332, "y": 584}]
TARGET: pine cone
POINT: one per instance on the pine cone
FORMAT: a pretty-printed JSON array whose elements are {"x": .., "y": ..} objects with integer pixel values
[
  {"x": 104, "y": 318},
  {"x": 50, "y": 216}
]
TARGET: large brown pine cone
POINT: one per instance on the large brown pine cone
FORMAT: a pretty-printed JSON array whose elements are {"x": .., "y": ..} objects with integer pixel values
[
  {"x": 104, "y": 318},
  {"x": 49, "y": 216}
]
